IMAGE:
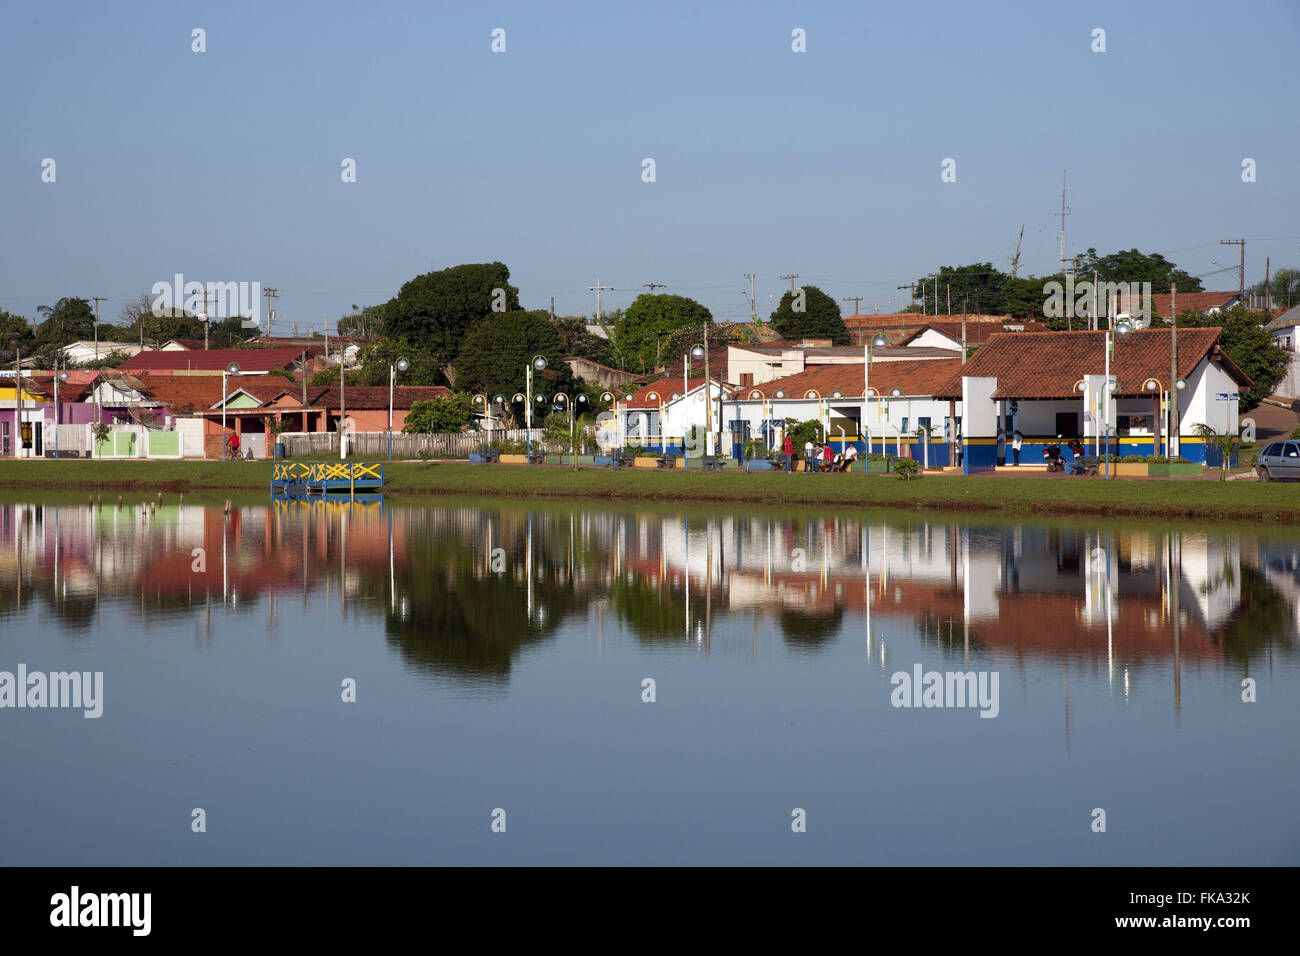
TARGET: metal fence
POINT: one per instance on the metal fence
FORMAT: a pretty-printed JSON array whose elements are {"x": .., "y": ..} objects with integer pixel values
[{"x": 375, "y": 444}]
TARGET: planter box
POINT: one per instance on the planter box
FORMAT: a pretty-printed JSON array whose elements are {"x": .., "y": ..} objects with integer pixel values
[
  {"x": 640, "y": 462},
  {"x": 1172, "y": 469},
  {"x": 1128, "y": 469},
  {"x": 879, "y": 467},
  {"x": 514, "y": 459}
]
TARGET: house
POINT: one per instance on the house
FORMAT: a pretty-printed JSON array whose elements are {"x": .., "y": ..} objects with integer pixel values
[
  {"x": 1207, "y": 303},
  {"x": 603, "y": 375},
  {"x": 1285, "y": 330},
  {"x": 876, "y": 406},
  {"x": 657, "y": 414},
  {"x": 750, "y": 365},
  {"x": 1048, "y": 385},
  {"x": 897, "y": 326},
  {"x": 78, "y": 353},
  {"x": 950, "y": 335},
  {"x": 215, "y": 361}
]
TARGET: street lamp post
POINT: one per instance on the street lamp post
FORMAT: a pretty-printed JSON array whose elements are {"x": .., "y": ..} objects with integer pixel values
[
  {"x": 401, "y": 366},
  {"x": 538, "y": 363},
  {"x": 877, "y": 341},
  {"x": 231, "y": 369},
  {"x": 1162, "y": 393},
  {"x": 57, "y": 377},
  {"x": 569, "y": 404}
]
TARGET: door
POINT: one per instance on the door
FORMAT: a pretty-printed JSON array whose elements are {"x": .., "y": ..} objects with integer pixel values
[
  {"x": 1067, "y": 425},
  {"x": 1290, "y": 461}
]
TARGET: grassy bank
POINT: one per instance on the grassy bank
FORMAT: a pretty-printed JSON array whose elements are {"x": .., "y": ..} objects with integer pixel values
[{"x": 1146, "y": 500}]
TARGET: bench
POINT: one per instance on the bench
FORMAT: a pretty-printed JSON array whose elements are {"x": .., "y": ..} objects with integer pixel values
[
  {"x": 1084, "y": 465},
  {"x": 537, "y": 458},
  {"x": 667, "y": 461},
  {"x": 490, "y": 456},
  {"x": 711, "y": 463}
]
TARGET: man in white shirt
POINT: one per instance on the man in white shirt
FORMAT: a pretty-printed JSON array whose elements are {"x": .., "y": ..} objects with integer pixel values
[{"x": 808, "y": 456}]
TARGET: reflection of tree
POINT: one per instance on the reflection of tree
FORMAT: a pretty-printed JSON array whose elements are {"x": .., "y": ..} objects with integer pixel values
[
  {"x": 452, "y": 617},
  {"x": 654, "y": 614},
  {"x": 812, "y": 629},
  {"x": 1263, "y": 617}
]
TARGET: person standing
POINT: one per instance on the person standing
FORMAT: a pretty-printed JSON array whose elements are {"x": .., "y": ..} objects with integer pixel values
[
  {"x": 828, "y": 458},
  {"x": 1017, "y": 440},
  {"x": 788, "y": 448},
  {"x": 808, "y": 452},
  {"x": 1002, "y": 447}
]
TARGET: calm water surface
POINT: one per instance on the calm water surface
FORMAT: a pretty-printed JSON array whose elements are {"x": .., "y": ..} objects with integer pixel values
[{"x": 499, "y": 655}]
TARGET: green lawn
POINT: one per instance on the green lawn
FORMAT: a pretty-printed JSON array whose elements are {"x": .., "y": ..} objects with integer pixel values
[{"x": 1148, "y": 500}]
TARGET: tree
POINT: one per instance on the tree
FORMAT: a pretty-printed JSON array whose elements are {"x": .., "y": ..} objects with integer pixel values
[
  {"x": 1247, "y": 342},
  {"x": 978, "y": 284},
  {"x": 141, "y": 323},
  {"x": 439, "y": 415},
  {"x": 1024, "y": 298},
  {"x": 1132, "y": 266},
  {"x": 363, "y": 322},
  {"x": 375, "y": 358},
  {"x": 643, "y": 326},
  {"x": 67, "y": 321},
  {"x": 818, "y": 319},
  {"x": 498, "y": 349},
  {"x": 437, "y": 310},
  {"x": 1285, "y": 285},
  {"x": 581, "y": 343},
  {"x": 15, "y": 333}
]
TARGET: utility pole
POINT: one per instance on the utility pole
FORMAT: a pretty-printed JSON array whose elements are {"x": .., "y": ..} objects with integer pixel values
[
  {"x": 1173, "y": 373},
  {"x": 1065, "y": 211},
  {"x": 651, "y": 286},
  {"x": 303, "y": 370},
  {"x": 855, "y": 299},
  {"x": 1241, "y": 287},
  {"x": 552, "y": 308},
  {"x": 598, "y": 289},
  {"x": 1268, "y": 290},
  {"x": 98, "y": 299},
  {"x": 911, "y": 291},
  {"x": 270, "y": 294},
  {"x": 205, "y": 320},
  {"x": 948, "y": 286},
  {"x": 791, "y": 277},
  {"x": 753, "y": 309}
]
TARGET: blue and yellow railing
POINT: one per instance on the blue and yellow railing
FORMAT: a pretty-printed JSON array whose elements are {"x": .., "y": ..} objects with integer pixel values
[{"x": 323, "y": 477}]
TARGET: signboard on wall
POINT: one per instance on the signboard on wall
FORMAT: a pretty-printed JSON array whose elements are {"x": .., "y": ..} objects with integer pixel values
[
  {"x": 27, "y": 434},
  {"x": 1226, "y": 397}
]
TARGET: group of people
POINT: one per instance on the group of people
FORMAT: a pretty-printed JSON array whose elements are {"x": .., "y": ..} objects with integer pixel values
[
  {"x": 1017, "y": 442},
  {"x": 819, "y": 456}
]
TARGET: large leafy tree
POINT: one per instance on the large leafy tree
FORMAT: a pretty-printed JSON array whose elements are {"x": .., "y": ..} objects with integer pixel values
[
  {"x": 439, "y": 415},
  {"x": 497, "y": 351},
  {"x": 1248, "y": 343},
  {"x": 139, "y": 322},
  {"x": 583, "y": 344},
  {"x": 374, "y": 360},
  {"x": 67, "y": 321},
  {"x": 979, "y": 285},
  {"x": 15, "y": 333},
  {"x": 819, "y": 318},
  {"x": 435, "y": 311},
  {"x": 1133, "y": 266},
  {"x": 648, "y": 321},
  {"x": 363, "y": 322},
  {"x": 1285, "y": 285}
]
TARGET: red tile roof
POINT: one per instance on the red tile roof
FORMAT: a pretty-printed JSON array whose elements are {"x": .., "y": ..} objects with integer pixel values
[
  {"x": 919, "y": 377},
  {"x": 1045, "y": 365},
  {"x": 213, "y": 360},
  {"x": 1199, "y": 301},
  {"x": 196, "y": 393},
  {"x": 664, "y": 388},
  {"x": 977, "y": 333},
  {"x": 364, "y": 397}
]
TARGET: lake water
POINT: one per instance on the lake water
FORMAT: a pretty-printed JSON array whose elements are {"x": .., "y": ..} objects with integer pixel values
[{"x": 500, "y": 656}]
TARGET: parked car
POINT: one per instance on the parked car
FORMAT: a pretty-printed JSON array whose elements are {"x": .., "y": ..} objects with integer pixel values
[{"x": 1279, "y": 460}]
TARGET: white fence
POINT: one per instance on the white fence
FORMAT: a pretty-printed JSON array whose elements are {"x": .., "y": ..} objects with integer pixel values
[{"x": 375, "y": 444}]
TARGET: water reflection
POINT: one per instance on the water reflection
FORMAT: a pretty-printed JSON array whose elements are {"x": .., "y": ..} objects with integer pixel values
[{"x": 462, "y": 590}]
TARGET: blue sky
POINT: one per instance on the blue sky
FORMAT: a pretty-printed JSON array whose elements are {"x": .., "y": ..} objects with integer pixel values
[{"x": 225, "y": 165}]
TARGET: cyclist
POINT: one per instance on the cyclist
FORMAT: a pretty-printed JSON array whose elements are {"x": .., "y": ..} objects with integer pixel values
[{"x": 233, "y": 443}]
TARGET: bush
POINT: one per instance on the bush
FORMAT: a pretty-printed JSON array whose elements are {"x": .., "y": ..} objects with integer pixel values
[
  {"x": 1295, "y": 433},
  {"x": 907, "y": 468},
  {"x": 755, "y": 448},
  {"x": 439, "y": 415}
]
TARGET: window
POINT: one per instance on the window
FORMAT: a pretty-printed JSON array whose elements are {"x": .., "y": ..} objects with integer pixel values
[
  {"x": 4, "y": 438},
  {"x": 923, "y": 422},
  {"x": 746, "y": 379},
  {"x": 1292, "y": 450},
  {"x": 1270, "y": 450},
  {"x": 904, "y": 424}
]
